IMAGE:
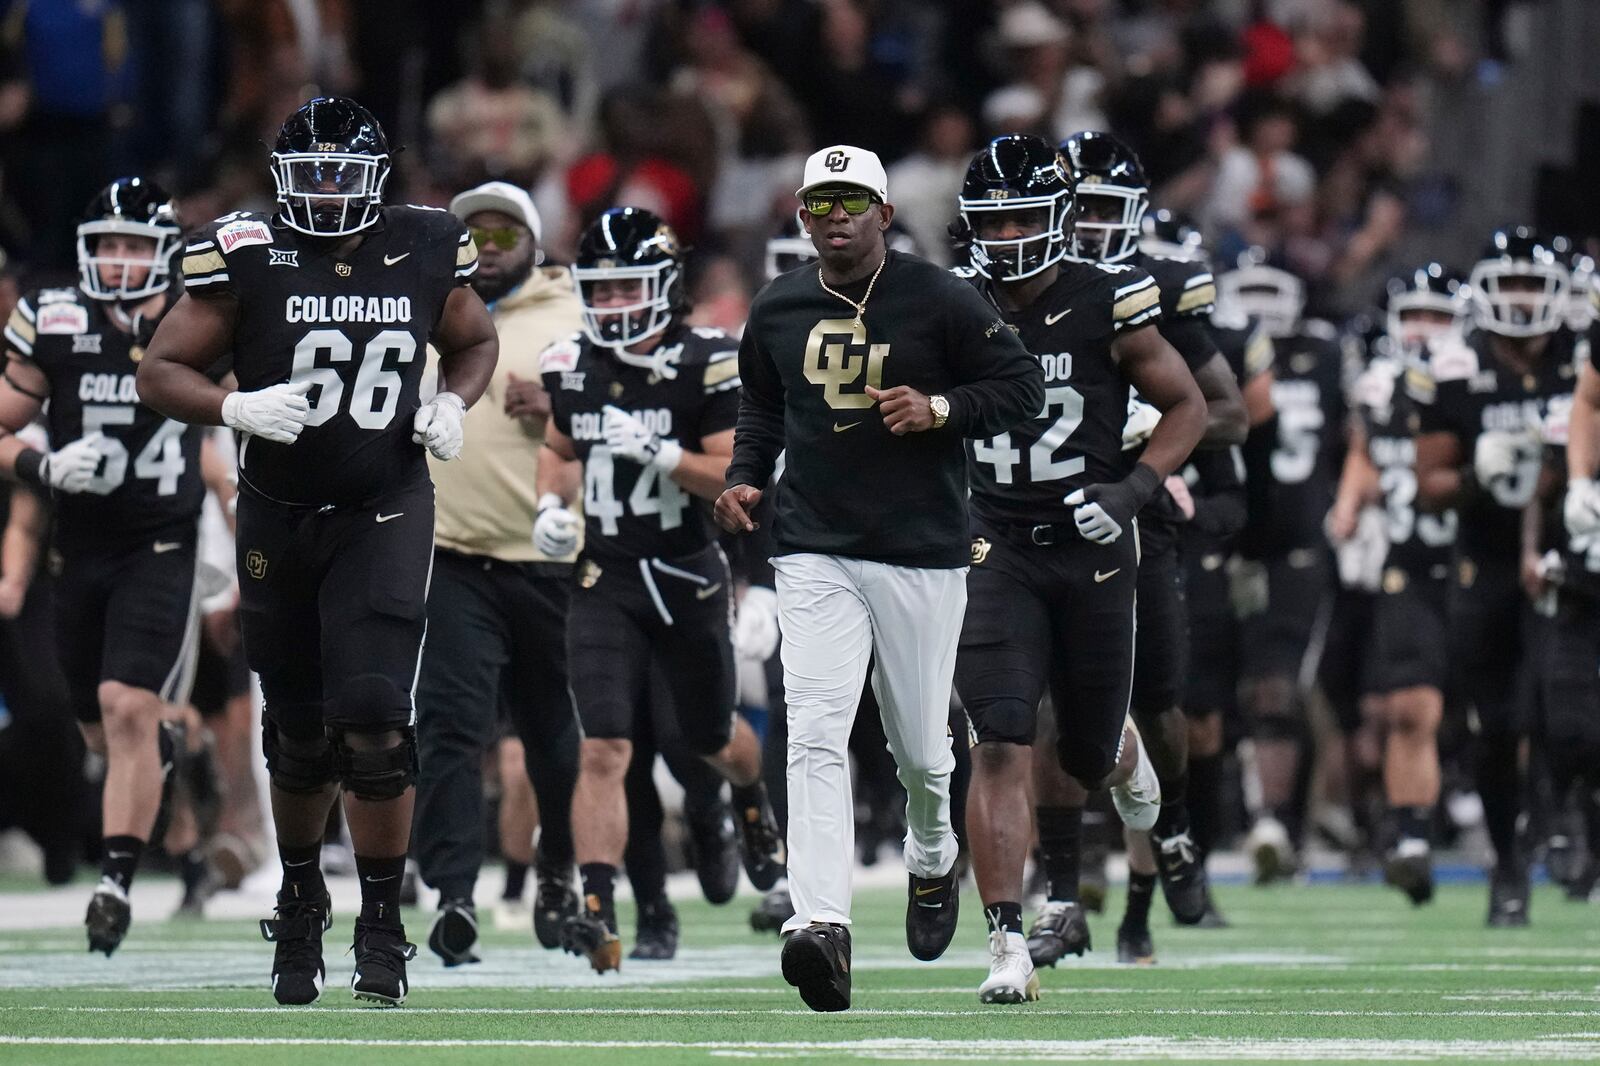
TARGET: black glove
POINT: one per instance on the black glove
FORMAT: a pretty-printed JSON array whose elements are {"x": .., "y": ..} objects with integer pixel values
[{"x": 1105, "y": 510}]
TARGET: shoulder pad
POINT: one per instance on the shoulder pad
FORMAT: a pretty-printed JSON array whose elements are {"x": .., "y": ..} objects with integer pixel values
[
  {"x": 1451, "y": 360},
  {"x": 560, "y": 356}
]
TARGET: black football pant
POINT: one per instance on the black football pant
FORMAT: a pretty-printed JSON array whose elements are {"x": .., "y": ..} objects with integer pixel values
[{"x": 496, "y": 645}]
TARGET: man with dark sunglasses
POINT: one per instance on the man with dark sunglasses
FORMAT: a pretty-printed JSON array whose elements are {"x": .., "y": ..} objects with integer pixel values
[{"x": 870, "y": 539}]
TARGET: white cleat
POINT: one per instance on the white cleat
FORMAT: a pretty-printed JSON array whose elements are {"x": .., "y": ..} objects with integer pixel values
[
  {"x": 1269, "y": 849},
  {"x": 1011, "y": 978},
  {"x": 1138, "y": 799},
  {"x": 512, "y": 915}
]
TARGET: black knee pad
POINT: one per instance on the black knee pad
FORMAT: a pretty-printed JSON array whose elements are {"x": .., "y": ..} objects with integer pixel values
[
  {"x": 1089, "y": 764},
  {"x": 379, "y": 775},
  {"x": 368, "y": 703},
  {"x": 297, "y": 764}
]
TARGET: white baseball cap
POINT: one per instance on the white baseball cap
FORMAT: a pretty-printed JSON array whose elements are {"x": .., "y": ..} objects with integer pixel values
[
  {"x": 499, "y": 196},
  {"x": 845, "y": 164}
]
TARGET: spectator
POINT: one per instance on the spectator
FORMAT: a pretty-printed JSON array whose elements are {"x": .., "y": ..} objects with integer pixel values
[
  {"x": 927, "y": 182},
  {"x": 1261, "y": 181}
]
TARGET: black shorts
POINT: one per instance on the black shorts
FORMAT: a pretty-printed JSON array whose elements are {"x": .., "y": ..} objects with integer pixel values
[
  {"x": 628, "y": 614},
  {"x": 128, "y": 613},
  {"x": 1212, "y": 684},
  {"x": 1571, "y": 675},
  {"x": 1489, "y": 620},
  {"x": 1278, "y": 641},
  {"x": 1161, "y": 655},
  {"x": 1347, "y": 667},
  {"x": 1412, "y": 638},
  {"x": 333, "y": 608},
  {"x": 218, "y": 679},
  {"x": 1060, "y": 617}
]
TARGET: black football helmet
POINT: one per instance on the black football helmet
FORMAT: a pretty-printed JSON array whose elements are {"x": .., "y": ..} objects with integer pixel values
[
  {"x": 330, "y": 165},
  {"x": 1256, "y": 289},
  {"x": 1171, "y": 236},
  {"x": 1434, "y": 298},
  {"x": 1016, "y": 173},
  {"x": 1106, "y": 169},
  {"x": 132, "y": 207},
  {"x": 625, "y": 244},
  {"x": 1521, "y": 285}
]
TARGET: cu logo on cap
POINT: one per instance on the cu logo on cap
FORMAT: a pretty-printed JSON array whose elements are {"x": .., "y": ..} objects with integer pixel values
[{"x": 836, "y": 161}]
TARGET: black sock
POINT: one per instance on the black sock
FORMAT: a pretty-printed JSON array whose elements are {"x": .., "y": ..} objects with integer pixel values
[
  {"x": 302, "y": 870},
  {"x": 599, "y": 889},
  {"x": 1141, "y": 889},
  {"x": 119, "y": 858},
  {"x": 1412, "y": 823},
  {"x": 380, "y": 887},
  {"x": 516, "y": 879},
  {"x": 747, "y": 796},
  {"x": 1499, "y": 786},
  {"x": 1174, "y": 817},
  {"x": 1060, "y": 838},
  {"x": 192, "y": 869},
  {"x": 1004, "y": 917}
]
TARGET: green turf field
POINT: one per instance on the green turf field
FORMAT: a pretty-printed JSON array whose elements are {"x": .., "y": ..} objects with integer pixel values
[{"x": 1326, "y": 973}]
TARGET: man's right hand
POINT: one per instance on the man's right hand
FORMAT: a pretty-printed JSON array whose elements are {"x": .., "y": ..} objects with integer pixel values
[
  {"x": 72, "y": 468},
  {"x": 1581, "y": 508},
  {"x": 555, "y": 531},
  {"x": 277, "y": 413},
  {"x": 734, "y": 508}
]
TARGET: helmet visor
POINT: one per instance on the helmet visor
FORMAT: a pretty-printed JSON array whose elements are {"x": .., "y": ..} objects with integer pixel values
[
  {"x": 1016, "y": 239},
  {"x": 329, "y": 194}
]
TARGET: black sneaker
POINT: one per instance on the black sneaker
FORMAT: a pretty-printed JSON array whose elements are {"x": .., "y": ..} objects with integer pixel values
[
  {"x": 1409, "y": 867},
  {"x": 774, "y": 909},
  {"x": 554, "y": 903},
  {"x": 296, "y": 933},
  {"x": 455, "y": 932},
  {"x": 816, "y": 960},
  {"x": 108, "y": 916},
  {"x": 594, "y": 937},
  {"x": 714, "y": 852},
  {"x": 1134, "y": 945},
  {"x": 1508, "y": 898},
  {"x": 657, "y": 935},
  {"x": 932, "y": 907},
  {"x": 381, "y": 957},
  {"x": 761, "y": 845},
  {"x": 1059, "y": 930},
  {"x": 1183, "y": 876}
]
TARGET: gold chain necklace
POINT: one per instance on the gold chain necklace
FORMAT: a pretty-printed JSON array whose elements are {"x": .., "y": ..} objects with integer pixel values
[{"x": 861, "y": 308}]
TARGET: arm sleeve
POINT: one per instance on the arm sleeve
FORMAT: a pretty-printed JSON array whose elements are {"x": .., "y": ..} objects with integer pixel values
[
  {"x": 205, "y": 271},
  {"x": 758, "y": 436},
  {"x": 1001, "y": 384},
  {"x": 20, "y": 330},
  {"x": 721, "y": 385},
  {"x": 466, "y": 256}
]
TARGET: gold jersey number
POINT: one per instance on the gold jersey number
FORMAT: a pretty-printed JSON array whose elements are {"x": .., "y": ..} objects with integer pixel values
[{"x": 831, "y": 363}]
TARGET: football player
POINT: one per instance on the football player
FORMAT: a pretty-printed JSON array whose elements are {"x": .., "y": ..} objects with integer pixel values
[
  {"x": 1409, "y": 671},
  {"x": 1479, "y": 451},
  {"x": 644, "y": 406},
  {"x": 127, "y": 489},
  {"x": 327, "y": 306},
  {"x": 1055, "y": 544}
]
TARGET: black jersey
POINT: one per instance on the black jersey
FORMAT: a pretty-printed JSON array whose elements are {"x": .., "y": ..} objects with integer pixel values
[
  {"x": 355, "y": 327},
  {"x": 1293, "y": 459},
  {"x": 1243, "y": 343},
  {"x": 1467, "y": 392},
  {"x": 1420, "y": 543},
  {"x": 633, "y": 511},
  {"x": 1022, "y": 475},
  {"x": 1188, "y": 296},
  {"x": 150, "y": 476}
]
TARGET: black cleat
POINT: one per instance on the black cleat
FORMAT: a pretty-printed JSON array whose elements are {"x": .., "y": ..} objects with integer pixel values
[
  {"x": 381, "y": 957},
  {"x": 761, "y": 845},
  {"x": 554, "y": 903},
  {"x": 1212, "y": 918},
  {"x": 455, "y": 932},
  {"x": 1134, "y": 946},
  {"x": 1183, "y": 876},
  {"x": 714, "y": 852},
  {"x": 1409, "y": 867},
  {"x": 296, "y": 933},
  {"x": 1059, "y": 930},
  {"x": 774, "y": 909},
  {"x": 108, "y": 916},
  {"x": 816, "y": 960},
  {"x": 656, "y": 938},
  {"x": 1508, "y": 898},
  {"x": 932, "y": 907},
  {"x": 1581, "y": 888},
  {"x": 593, "y": 937}
]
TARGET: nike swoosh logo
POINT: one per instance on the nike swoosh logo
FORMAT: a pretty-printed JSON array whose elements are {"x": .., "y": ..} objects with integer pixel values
[
  {"x": 391, "y": 262},
  {"x": 929, "y": 891},
  {"x": 161, "y": 547},
  {"x": 708, "y": 592},
  {"x": 379, "y": 880},
  {"x": 1051, "y": 320},
  {"x": 386, "y": 517},
  {"x": 837, "y": 428},
  {"x": 1099, "y": 577}
]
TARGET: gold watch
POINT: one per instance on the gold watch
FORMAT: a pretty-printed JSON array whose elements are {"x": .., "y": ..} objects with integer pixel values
[{"x": 941, "y": 410}]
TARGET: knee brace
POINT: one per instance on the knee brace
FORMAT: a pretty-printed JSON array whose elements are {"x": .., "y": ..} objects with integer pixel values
[
  {"x": 375, "y": 775},
  {"x": 295, "y": 764}
]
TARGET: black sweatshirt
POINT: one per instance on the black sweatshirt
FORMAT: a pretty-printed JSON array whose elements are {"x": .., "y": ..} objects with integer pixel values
[{"x": 850, "y": 487}]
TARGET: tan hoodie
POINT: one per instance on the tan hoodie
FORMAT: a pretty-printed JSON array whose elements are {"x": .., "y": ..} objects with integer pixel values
[{"x": 486, "y": 501}]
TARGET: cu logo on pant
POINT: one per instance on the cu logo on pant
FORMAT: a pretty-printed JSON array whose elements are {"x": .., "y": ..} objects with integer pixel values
[
  {"x": 836, "y": 161},
  {"x": 256, "y": 564}
]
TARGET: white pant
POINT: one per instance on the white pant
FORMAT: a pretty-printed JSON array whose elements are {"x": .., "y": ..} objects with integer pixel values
[{"x": 835, "y": 612}]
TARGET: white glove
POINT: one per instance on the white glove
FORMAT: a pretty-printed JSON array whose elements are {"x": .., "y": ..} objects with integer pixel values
[
  {"x": 555, "y": 531},
  {"x": 1496, "y": 455},
  {"x": 755, "y": 633},
  {"x": 438, "y": 425},
  {"x": 71, "y": 469},
  {"x": 1582, "y": 508},
  {"x": 1142, "y": 419},
  {"x": 277, "y": 413},
  {"x": 627, "y": 436}
]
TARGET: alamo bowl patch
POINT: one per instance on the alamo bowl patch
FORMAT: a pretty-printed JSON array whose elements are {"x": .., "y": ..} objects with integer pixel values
[
  {"x": 62, "y": 318},
  {"x": 238, "y": 234}
]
